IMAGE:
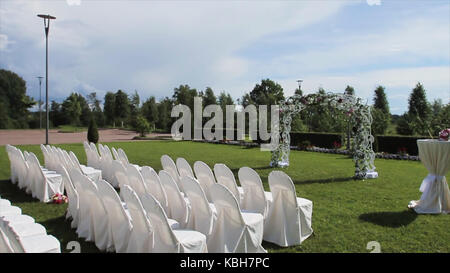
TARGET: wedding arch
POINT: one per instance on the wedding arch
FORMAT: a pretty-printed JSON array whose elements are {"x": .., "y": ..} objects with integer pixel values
[{"x": 360, "y": 118}]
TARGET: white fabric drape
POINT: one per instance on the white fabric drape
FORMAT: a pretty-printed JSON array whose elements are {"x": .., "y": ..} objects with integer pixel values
[
  {"x": 102, "y": 232},
  {"x": 120, "y": 224},
  {"x": 178, "y": 208},
  {"x": 225, "y": 177},
  {"x": 170, "y": 167},
  {"x": 254, "y": 198},
  {"x": 165, "y": 238},
  {"x": 289, "y": 218},
  {"x": 203, "y": 214},
  {"x": 435, "y": 155},
  {"x": 85, "y": 227},
  {"x": 205, "y": 177},
  {"x": 136, "y": 181},
  {"x": 154, "y": 186},
  {"x": 72, "y": 195},
  {"x": 234, "y": 231},
  {"x": 119, "y": 173},
  {"x": 184, "y": 169},
  {"x": 141, "y": 238},
  {"x": 20, "y": 234}
]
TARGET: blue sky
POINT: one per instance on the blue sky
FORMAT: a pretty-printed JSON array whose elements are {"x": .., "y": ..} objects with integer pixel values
[{"x": 154, "y": 46}]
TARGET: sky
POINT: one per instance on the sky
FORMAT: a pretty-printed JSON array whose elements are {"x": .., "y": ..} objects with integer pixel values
[{"x": 154, "y": 46}]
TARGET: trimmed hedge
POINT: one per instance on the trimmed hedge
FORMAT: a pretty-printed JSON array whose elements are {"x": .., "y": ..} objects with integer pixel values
[
  {"x": 397, "y": 144},
  {"x": 323, "y": 140}
]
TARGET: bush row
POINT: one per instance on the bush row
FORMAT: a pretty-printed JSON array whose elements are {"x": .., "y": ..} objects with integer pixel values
[{"x": 382, "y": 144}]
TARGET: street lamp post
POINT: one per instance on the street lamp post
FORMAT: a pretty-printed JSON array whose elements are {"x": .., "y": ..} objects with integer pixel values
[
  {"x": 40, "y": 102},
  {"x": 47, "y": 19},
  {"x": 300, "y": 84}
]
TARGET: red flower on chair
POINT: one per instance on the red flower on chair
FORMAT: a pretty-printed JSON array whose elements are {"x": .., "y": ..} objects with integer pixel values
[{"x": 59, "y": 198}]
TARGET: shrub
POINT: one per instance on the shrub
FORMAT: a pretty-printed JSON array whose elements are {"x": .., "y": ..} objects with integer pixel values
[
  {"x": 92, "y": 134},
  {"x": 142, "y": 126},
  {"x": 323, "y": 140},
  {"x": 304, "y": 144},
  {"x": 398, "y": 144}
]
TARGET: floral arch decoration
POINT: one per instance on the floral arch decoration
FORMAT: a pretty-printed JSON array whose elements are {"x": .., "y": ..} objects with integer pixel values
[{"x": 360, "y": 118}]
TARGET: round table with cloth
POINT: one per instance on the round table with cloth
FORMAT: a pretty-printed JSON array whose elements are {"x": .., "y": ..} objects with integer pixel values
[{"x": 435, "y": 155}]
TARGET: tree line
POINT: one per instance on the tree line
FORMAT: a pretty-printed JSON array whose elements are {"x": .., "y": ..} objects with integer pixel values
[{"x": 120, "y": 109}]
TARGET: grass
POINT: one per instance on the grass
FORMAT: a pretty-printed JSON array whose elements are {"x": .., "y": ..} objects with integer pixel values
[
  {"x": 71, "y": 129},
  {"x": 347, "y": 213}
]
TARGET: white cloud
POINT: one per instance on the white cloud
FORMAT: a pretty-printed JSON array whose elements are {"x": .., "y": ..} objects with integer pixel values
[
  {"x": 4, "y": 42},
  {"x": 398, "y": 83},
  {"x": 154, "y": 46},
  {"x": 374, "y": 2},
  {"x": 73, "y": 2}
]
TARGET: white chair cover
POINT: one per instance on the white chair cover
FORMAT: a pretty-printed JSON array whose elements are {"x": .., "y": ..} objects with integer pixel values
[
  {"x": 123, "y": 156},
  {"x": 23, "y": 168},
  {"x": 184, "y": 169},
  {"x": 44, "y": 185},
  {"x": 289, "y": 218},
  {"x": 115, "y": 154},
  {"x": 119, "y": 219},
  {"x": 178, "y": 208},
  {"x": 16, "y": 232},
  {"x": 254, "y": 197},
  {"x": 13, "y": 165},
  {"x": 102, "y": 231},
  {"x": 136, "y": 181},
  {"x": 119, "y": 174},
  {"x": 202, "y": 214},
  {"x": 72, "y": 195},
  {"x": 85, "y": 227},
  {"x": 205, "y": 177},
  {"x": 234, "y": 231},
  {"x": 105, "y": 162},
  {"x": 6, "y": 209},
  {"x": 90, "y": 172},
  {"x": 27, "y": 238},
  {"x": 154, "y": 186},
  {"x": 165, "y": 238},
  {"x": 170, "y": 167},
  {"x": 142, "y": 237},
  {"x": 225, "y": 177},
  {"x": 95, "y": 156}
]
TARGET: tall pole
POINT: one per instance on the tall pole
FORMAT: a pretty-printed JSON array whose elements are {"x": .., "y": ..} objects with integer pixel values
[
  {"x": 47, "y": 27},
  {"x": 40, "y": 102},
  {"x": 46, "y": 81},
  {"x": 300, "y": 84}
]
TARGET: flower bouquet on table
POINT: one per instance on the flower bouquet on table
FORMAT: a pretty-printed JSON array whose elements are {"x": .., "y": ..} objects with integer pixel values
[
  {"x": 444, "y": 135},
  {"x": 58, "y": 198}
]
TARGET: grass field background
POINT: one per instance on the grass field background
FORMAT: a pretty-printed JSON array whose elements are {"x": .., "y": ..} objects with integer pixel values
[{"x": 347, "y": 213}]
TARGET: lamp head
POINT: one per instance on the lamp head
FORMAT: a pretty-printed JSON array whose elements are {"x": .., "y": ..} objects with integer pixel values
[{"x": 46, "y": 16}]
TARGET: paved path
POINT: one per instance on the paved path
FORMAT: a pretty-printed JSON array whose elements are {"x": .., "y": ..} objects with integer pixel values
[{"x": 18, "y": 137}]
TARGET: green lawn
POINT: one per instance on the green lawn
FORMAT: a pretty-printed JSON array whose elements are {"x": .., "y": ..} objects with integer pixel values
[{"x": 347, "y": 213}]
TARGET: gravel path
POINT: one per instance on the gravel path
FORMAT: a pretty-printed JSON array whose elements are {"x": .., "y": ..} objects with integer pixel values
[{"x": 18, "y": 137}]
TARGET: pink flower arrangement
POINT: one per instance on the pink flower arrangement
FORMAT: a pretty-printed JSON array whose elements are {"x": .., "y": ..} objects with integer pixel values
[
  {"x": 59, "y": 198},
  {"x": 444, "y": 134}
]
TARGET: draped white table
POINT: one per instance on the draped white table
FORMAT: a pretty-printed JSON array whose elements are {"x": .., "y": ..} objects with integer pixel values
[{"x": 435, "y": 155}]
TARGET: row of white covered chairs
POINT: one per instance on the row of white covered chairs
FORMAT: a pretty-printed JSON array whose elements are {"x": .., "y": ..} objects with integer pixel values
[
  {"x": 20, "y": 233},
  {"x": 139, "y": 224},
  {"x": 287, "y": 218},
  {"x": 29, "y": 175},
  {"x": 55, "y": 157},
  {"x": 191, "y": 209},
  {"x": 102, "y": 159}
]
